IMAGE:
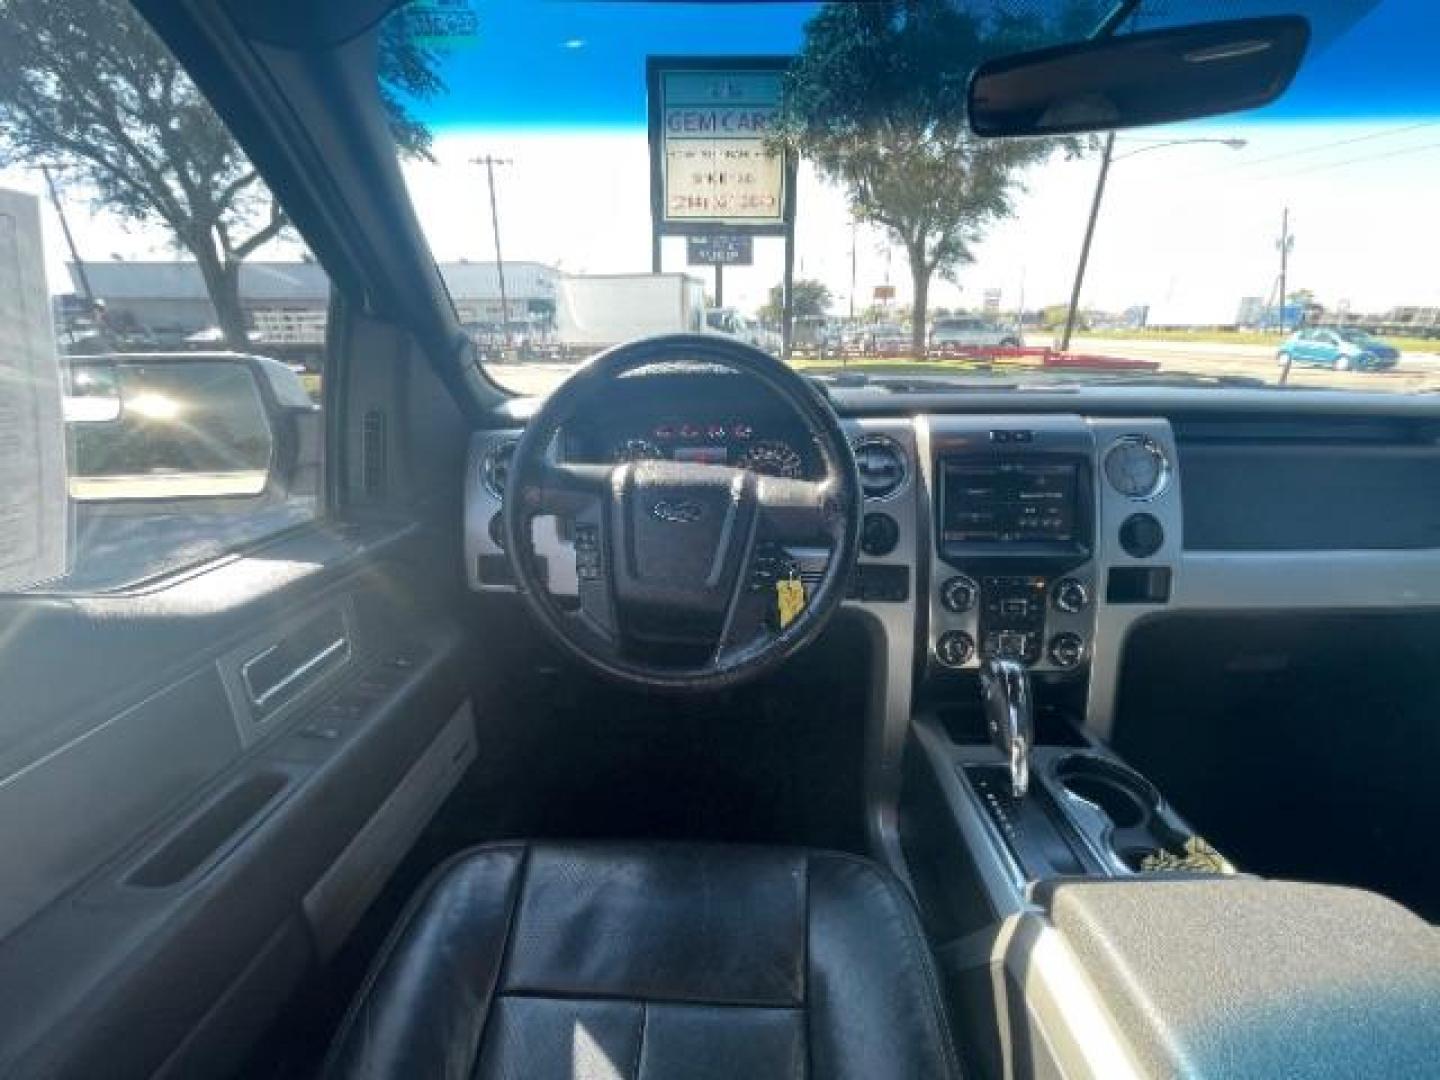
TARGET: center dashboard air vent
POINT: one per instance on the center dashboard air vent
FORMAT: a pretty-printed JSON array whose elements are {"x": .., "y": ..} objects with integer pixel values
[
  {"x": 883, "y": 465},
  {"x": 495, "y": 467}
]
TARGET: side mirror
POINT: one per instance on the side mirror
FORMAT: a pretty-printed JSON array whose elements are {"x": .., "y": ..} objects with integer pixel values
[
  {"x": 1151, "y": 77},
  {"x": 189, "y": 426}
]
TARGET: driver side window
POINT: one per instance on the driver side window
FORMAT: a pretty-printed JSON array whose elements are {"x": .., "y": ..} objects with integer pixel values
[{"x": 156, "y": 412}]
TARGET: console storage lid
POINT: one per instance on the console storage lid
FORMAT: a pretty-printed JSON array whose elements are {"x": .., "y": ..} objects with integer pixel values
[{"x": 1240, "y": 977}]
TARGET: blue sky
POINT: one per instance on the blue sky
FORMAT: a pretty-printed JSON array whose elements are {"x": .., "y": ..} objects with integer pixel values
[
  {"x": 1353, "y": 151},
  {"x": 581, "y": 65}
]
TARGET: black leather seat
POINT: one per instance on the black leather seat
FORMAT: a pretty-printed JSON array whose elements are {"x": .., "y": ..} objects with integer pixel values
[{"x": 620, "y": 961}]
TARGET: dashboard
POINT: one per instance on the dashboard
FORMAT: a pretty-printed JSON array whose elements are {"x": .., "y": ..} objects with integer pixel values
[{"x": 1047, "y": 532}]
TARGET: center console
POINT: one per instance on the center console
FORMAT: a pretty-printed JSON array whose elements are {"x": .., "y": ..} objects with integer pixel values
[
  {"x": 1080, "y": 923},
  {"x": 1014, "y": 520}
]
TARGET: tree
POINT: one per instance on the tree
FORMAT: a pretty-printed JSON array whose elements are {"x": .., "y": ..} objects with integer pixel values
[
  {"x": 88, "y": 88},
  {"x": 876, "y": 100},
  {"x": 1054, "y": 316},
  {"x": 812, "y": 301}
]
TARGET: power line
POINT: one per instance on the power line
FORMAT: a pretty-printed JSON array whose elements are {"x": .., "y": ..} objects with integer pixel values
[
  {"x": 1323, "y": 166},
  {"x": 1332, "y": 144}
]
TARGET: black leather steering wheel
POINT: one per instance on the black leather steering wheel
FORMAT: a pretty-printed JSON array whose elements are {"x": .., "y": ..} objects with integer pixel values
[{"x": 676, "y": 560}]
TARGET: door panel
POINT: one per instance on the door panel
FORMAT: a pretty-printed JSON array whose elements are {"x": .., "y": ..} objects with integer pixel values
[{"x": 161, "y": 834}]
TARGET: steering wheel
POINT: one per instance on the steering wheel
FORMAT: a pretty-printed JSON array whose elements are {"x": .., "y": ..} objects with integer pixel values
[{"x": 677, "y": 562}]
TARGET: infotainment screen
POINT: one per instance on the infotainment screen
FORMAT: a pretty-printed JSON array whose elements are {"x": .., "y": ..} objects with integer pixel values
[{"x": 1008, "y": 501}]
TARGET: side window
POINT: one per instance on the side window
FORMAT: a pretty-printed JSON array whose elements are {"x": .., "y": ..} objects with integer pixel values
[{"x": 162, "y": 326}]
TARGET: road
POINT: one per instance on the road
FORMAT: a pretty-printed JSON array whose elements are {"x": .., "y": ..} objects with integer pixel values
[{"x": 1416, "y": 370}]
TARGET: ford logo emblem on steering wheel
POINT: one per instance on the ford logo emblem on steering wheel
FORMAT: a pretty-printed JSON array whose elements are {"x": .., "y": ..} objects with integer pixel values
[{"x": 678, "y": 511}]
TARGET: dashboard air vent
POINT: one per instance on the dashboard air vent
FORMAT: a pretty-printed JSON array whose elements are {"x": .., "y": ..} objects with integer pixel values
[
  {"x": 883, "y": 465},
  {"x": 495, "y": 467}
]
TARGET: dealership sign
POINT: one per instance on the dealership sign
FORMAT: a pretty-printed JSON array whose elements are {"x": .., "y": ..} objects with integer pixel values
[{"x": 712, "y": 164}]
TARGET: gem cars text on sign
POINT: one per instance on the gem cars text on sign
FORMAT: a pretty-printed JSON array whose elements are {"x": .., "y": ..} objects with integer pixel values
[{"x": 714, "y": 164}]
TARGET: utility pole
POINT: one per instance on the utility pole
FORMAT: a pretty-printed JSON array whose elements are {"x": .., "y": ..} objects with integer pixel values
[
  {"x": 1285, "y": 244},
  {"x": 1072, "y": 311},
  {"x": 490, "y": 161},
  {"x": 80, "y": 272},
  {"x": 69, "y": 238}
]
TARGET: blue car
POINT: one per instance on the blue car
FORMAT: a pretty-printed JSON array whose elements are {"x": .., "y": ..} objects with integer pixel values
[{"x": 1338, "y": 349}]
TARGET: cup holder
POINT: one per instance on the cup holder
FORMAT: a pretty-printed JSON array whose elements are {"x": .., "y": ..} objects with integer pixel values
[
  {"x": 1134, "y": 856},
  {"x": 1127, "y": 799}
]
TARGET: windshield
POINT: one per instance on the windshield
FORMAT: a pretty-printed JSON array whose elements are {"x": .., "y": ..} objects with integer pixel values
[{"x": 593, "y": 172}]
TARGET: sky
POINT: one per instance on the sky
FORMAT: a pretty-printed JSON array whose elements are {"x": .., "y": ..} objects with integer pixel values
[{"x": 1187, "y": 228}]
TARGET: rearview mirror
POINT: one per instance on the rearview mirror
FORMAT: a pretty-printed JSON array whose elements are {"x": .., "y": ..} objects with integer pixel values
[{"x": 1151, "y": 77}]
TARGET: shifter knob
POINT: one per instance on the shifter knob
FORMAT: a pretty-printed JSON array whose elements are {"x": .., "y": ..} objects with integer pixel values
[{"x": 1005, "y": 692}]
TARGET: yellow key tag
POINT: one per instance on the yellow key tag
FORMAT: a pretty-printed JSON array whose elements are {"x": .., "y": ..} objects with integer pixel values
[{"x": 790, "y": 600}]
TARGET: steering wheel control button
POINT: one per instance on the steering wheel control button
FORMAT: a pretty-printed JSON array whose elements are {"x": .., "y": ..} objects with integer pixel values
[
  {"x": 770, "y": 565},
  {"x": 1071, "y": 596},
  {"x": 1141, "y": 536},
  {"x": 1066, "y": 650},
  {"x": 958, "y": 594},
  {"x": 879, "y": 535},
  {"x": 587, "y": 552},
  {"x": 954, "y": 648}
]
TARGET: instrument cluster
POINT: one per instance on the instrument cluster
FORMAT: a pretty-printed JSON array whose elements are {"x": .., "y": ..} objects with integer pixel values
[{"x": 710, "y": 442}]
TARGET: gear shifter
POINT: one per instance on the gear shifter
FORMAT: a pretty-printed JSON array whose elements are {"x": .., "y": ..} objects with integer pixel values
[{"x": 1005, "y": 689}]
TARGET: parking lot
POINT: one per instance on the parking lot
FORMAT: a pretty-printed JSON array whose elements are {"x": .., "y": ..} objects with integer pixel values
[{"x": 1416, "y": 370}]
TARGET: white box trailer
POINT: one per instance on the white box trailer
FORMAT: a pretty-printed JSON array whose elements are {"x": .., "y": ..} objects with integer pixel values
[
  {"x": 1196, "y": 308},
  {"x": 593, "y": 311}
]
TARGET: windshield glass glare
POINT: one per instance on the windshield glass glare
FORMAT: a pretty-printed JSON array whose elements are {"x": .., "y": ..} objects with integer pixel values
[{"x": 558, "y": 136}]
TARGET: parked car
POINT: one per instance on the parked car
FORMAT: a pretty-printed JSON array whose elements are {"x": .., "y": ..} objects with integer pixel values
[
  {"x": 1338, "y": 349},
  {"x": 886, "y": 339},
  {"x": 734, "y": 324},
  {"x": 971, "y": 332}
]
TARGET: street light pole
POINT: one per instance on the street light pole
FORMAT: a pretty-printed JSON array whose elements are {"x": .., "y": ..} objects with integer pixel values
[
  {"x": 1233, "y": 144},
  {"x": 1105, "y": 161},
  {"x": 1072, "y": 310},
  {"x": 854, "y": 238},
  {"x": 490, "y": 161}
]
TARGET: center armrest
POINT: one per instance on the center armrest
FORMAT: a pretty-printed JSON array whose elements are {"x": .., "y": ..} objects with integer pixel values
[{"x": 1243, "y": 977}]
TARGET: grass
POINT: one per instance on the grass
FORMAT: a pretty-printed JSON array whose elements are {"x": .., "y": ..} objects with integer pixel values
[
  {"x": 1239, "y": 337},
  {"x": 892, "y": 365}
]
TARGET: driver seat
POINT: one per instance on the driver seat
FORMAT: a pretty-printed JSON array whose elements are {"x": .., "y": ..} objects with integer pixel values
[{"x": 621, "y": 961}]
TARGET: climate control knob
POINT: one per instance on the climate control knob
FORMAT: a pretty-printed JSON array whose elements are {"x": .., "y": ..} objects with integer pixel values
[
  {"x": 878, "y": 535},
  {"x": 959, "y": 593},
  {"x": 954, "y": 648},
  {"x": 1070, "y": 595},
  {"x": 1066, "y": 650}
]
